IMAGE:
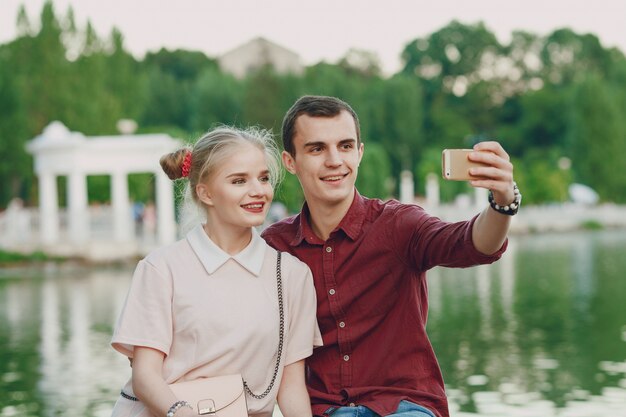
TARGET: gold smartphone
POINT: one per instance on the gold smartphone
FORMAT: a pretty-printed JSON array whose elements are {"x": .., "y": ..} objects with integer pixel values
[{"x": 455, "y": 166}]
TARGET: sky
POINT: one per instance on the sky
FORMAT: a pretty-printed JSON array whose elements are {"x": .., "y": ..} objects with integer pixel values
[{"x": 322, "y": 29}]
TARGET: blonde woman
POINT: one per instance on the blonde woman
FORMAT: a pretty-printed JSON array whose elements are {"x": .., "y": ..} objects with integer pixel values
[{"x": 208, "y": 304}]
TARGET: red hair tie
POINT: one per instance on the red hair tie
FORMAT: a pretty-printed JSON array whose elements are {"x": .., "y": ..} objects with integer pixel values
[{"x": 186, "y": 164}]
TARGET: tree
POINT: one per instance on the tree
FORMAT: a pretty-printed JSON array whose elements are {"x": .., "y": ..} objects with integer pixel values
[
  {"x": 453, "y": 51},
  {"x": 374, "y": 172},
  {"x": 598, "y": 138},
  {"x": 168, "y": 86},
  {"x": 261, "y": 99},
  {"x": 568, "y": 57},
  {"x": 15, "y": 167},
  {"x": 216, "y": 98}
]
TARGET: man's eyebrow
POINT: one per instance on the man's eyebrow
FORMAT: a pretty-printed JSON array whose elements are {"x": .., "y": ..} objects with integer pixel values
[
  {"x": 309, "y": 144},
  {"x": 322, "y": 143}
]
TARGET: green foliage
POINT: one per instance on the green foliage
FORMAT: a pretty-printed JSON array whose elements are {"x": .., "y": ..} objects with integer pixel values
[
  {"x": 598, "y": 137},
  {"x": 592, "y": 225},
  {"x": 290, "y": 193},
  {"x": 15, "y": 166},
  {"x": 216, "y": 99},
  {"x": 542, "y": 97},
  {"x": 374, "y": 172},
  {"x": 540, "y": 179},
  {"x": 7, "y": 258}
]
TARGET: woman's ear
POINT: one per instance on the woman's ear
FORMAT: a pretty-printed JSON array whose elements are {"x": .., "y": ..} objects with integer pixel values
[{"x": 202, "y": 191}]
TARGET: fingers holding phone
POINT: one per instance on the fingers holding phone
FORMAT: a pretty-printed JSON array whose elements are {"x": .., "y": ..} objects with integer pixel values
[
  {"x": 456, "y": 165},
  {"x": 487, "y": 165}
]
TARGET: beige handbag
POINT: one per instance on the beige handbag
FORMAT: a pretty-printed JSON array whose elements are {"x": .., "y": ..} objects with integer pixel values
[
  {"x": 224, "y": 396},
  {"x": 221, "y": 396}
]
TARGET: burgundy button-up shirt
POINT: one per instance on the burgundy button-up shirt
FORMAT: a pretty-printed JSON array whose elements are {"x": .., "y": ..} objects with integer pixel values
[{"x": 372, "y": 302}]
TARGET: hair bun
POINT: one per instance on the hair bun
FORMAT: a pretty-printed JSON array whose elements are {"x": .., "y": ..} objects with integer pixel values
[{"x": 172, "y": 163}]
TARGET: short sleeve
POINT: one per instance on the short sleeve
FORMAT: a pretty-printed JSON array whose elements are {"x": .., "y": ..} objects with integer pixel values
[
  {"x": 303, "y": 331},
  {"x": 146, "y": 318}
]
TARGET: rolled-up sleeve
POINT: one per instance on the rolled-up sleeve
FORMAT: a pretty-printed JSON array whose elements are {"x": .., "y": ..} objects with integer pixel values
[{"x": 426, "y": 241}]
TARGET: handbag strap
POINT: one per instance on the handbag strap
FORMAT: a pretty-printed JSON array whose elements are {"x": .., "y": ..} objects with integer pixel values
[{"x": 281, "y": 333}]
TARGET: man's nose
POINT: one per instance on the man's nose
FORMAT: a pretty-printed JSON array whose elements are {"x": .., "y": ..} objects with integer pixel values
[{"x": 333, "y": 158}]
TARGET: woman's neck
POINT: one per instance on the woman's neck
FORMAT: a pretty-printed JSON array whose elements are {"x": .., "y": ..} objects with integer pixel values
[{"x": 230, "y": 241}]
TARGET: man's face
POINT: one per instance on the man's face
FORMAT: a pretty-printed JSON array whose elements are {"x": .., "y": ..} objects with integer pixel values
[{"x": 326, "y": 159}]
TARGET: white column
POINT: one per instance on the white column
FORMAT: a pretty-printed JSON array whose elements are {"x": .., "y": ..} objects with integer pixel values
[
  {"x": 166, "y": 221},
  {"x": 122, "y": 226},
  {"x": 78, "y": 219},
  {"x": 48, "y": 208},
  {"x": 432, "y": 190},
  {"x": 407, "y": 187}
]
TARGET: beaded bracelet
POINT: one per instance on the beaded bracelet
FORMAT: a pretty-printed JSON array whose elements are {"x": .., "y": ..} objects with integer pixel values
[
  {"x": 176, "y": 406},
  {"x": 512, "y": 208}
]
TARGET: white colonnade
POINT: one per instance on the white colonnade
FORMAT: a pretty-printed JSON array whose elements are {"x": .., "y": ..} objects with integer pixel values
[{"x": 59, "y": 152}]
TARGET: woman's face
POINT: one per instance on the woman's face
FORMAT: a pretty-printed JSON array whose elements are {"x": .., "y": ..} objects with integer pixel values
[{"x": 239, "y": 193}]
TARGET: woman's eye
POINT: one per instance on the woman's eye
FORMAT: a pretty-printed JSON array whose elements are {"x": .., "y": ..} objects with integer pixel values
[
  {"x": 264, "y": 179},
  {"x": 239, "y": 181}
]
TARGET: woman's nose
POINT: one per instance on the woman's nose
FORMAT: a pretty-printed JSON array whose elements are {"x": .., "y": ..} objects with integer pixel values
[{"x": 256, "y": 188}]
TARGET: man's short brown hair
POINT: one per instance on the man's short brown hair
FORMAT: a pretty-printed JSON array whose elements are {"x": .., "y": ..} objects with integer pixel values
[{"x": 314, "y": 106}]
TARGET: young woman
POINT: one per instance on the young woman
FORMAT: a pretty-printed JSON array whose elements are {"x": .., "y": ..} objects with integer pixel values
[{"x": 208, "y": 305}]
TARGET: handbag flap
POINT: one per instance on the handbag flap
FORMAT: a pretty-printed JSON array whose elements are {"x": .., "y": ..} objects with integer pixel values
[{"x": 202, "y": 393}]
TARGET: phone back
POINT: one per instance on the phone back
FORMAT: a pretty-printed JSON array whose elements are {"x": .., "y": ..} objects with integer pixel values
[{"x": 455, "y": 165}]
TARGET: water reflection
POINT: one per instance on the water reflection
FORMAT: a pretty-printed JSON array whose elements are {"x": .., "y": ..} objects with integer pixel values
[
  {"x": 57, "y": 324},
  {"x": 540, "y": 333},
  {"x": 533, "y": 334}
]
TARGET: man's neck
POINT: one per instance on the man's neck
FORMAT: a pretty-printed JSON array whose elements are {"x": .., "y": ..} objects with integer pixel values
[{"x": 325, "y": 218}]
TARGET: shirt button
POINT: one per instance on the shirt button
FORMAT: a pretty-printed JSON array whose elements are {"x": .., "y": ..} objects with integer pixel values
[
  {"x": 331, "y": 291},
  {"x": 329, "y": 249},
  {"x": 346, "y": 358},
  {"x": 342, "y": 324}
]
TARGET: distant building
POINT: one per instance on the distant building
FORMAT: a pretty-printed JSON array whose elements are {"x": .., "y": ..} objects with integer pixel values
[{"x": 256, "y": 54}]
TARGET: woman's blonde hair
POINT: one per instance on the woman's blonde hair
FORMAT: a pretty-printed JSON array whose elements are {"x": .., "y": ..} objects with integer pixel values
[{"x": 206, "y": 155}]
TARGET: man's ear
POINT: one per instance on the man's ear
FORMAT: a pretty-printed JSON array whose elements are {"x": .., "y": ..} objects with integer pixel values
[
  {"x": 289, "y": 162},
  {"x": 202, "y": 191},
  {"x": 361, "y": 149}
]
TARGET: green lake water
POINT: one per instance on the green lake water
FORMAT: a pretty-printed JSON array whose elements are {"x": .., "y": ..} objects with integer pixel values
[{"x": 541, "y": 332}]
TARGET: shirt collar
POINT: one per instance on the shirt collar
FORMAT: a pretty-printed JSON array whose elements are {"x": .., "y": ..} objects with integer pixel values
[
  {"x": 351, "y": 223},
  {"x": 213, "y": 257}
]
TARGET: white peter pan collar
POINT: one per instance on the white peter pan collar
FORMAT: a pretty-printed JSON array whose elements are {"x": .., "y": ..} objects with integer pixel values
[{"x": 213, "y": 257}]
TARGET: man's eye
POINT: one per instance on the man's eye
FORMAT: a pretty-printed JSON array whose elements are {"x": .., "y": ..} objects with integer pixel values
[
  {"x": 264, "y": 179},
  {"x": 348, "y": 146},
  {"x": 315, "y": 149}
]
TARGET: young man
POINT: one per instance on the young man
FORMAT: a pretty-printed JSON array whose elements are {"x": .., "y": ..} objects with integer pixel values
[{"x": 369, "y": 259}]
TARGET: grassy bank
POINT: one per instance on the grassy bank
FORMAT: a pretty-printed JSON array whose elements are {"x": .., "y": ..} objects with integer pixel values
[{"x": 16, "y": 257}]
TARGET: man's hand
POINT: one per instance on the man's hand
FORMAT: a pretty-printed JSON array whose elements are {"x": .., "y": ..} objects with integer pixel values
[{"x": 497, "y": 175}]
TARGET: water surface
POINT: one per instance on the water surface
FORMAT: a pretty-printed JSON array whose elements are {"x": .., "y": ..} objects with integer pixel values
[{"x": 540, "y": 333}]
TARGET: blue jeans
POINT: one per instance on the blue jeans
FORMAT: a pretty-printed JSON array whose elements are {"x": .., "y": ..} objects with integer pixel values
[{"x": 405, "y": 409}]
